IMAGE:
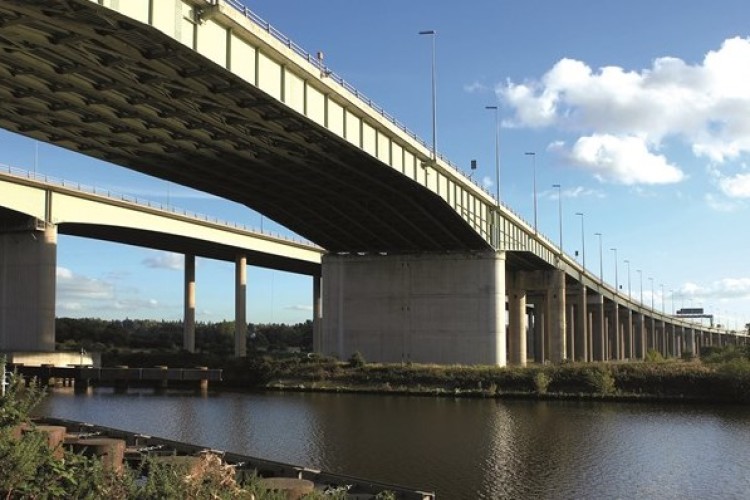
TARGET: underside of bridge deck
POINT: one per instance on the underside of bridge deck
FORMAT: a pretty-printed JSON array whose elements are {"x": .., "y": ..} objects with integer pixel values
[{"x": 83, "y": 77}]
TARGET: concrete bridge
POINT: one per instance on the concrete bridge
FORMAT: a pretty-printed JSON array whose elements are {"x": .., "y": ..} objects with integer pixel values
[
  {"x": 421, "y": 262},
  {"x": 33, "y": 210}
]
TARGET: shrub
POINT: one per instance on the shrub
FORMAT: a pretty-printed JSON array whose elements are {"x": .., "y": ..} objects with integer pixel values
[
  {"x": 357, "y": 360},
  {"x": 601, "y": 381},
  {"x": 654, "y": 356},
  {"x": 541, "y": 382}
]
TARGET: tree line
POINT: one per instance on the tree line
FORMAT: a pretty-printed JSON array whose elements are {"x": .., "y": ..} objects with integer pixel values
[{"x": 95, "y": 334}]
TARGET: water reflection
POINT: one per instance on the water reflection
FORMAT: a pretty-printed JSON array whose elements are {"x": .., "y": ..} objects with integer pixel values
[{"x": 462, "y": 448}]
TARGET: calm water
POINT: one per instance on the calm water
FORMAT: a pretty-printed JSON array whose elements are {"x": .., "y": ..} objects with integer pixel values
[{"x": 461, "y": 448}]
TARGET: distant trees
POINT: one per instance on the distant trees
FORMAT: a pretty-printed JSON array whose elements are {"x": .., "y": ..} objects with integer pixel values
[{"x": 94, "y": 334}]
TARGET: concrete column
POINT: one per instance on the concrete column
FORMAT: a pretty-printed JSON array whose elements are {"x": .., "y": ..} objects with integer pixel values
[
  {"x": 640, "y": 337},
  {"x": 517, "y": 327},
  {"x": 598, "y": 330},
  {"x": 540, "y": 353},
  {"x": 616, "y": 334},
  {"x": 317, "y": 316},
  {"x": 188, "y": 328},
  {"x": 570, "y": 329},
  {"x": 240, "y": 306},
  {"x": 434, "y": 308},
  {"x": 557, "y": 316},
  {"x": 628, "y": 334},
  {"x": 28, "y": 272},
  {"x": 582, "y": 345}
]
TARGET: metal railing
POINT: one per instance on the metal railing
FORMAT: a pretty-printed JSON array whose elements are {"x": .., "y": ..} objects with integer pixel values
[
  {"x": 289, "y": 43},
  {"x": 140, "y": 201}
]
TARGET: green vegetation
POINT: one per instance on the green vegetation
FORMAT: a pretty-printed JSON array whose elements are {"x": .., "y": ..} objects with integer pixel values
[
  {"x": 123, "y": 336},
  {"x": 30, "y": 469}
]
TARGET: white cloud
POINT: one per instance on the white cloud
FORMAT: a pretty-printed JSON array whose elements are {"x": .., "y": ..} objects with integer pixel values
[
  {"x": 299, "y": 307},
  {"x": 719, "y": 205},
  {"x": 475, "y": 87},
  {"x": 737, "y": 186},
  {"x": 727, "y": 288},
  {"x": 487, "y": 182},
  {"x": 73, "y": 287},
  {"x": 165, "y": 260},
  {"x": 705, "y": 105},
  {"x": 622, "y": 160}
]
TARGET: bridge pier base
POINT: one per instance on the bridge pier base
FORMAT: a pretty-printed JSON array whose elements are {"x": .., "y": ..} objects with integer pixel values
[
  {"x": 28, "y": 272},
  {"x": 516, "y": 321},
  {"x": 428, "y": 308},
  {"x": 188, "y": 334}
]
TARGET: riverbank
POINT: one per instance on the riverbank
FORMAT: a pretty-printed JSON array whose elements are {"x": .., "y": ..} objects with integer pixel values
[{"x": 720, "y": 376}]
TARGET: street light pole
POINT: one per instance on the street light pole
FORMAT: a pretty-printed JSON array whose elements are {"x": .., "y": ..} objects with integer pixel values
[
  {"x": 626, "y": 261},
  {"x": 671, "y": 294},
  {"x": 640, "y": 275},
  {"x": 432, "y": 34},
  {"x": 662, "y": 297},
  {"x": 583, "y": 241},
  {"x": 601, "y": 259},
  {"x": 497, "y": 152},
  {"x": 533, "y": 164},
  {"x": 617, "y": 284},
  {"x": 559, "y": 213},
  {"x": 652, "y": 292}
]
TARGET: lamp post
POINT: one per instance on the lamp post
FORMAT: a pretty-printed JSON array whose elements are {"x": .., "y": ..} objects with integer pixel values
[
  {"x": 497, "y": 152},
  {"x": 652, "y": 292},
  {"x": 617, "y": 284},
  {"x": 533, "y": 166},
  {"x": 626, "y": 261},
  {"x": 662, "y": 297},
  {"x": 640, "y": 275},
  {"x": 601, "y": 259},
  {"x": 559, "y": 213},
  {"x": 671, "y": 294},
  {"x": 432, "y": 34},
  {"x": 583, "y": 242}
]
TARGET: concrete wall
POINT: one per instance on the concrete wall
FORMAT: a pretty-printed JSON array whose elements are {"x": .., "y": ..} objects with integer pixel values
[
  {"x": 28, "y": 260},
  {"x": 428, "y": 308}
]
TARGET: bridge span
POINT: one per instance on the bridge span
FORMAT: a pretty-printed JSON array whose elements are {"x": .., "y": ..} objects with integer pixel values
[
  {"x": 34, "y": 210},
  {"x": 420, "y": 261}
]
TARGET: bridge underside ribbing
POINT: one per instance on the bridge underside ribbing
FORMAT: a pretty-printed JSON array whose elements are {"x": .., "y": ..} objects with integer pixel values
[{"x": 94, "y": 81}]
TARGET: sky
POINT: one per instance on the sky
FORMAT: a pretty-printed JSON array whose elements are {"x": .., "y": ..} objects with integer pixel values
[{"x": 639, "y": 110}]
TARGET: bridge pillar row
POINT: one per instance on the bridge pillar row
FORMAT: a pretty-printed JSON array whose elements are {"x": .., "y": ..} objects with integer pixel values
[
  {"x": 639, "y": 343},
  {"x": 28, "y": 274},
  {"x": 188, "y": 334},
  {"x": 240, "y": 306},
  {"x": 428, "y": 308}
]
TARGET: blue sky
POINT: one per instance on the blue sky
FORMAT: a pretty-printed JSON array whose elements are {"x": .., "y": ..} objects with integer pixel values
[{"x": 639, "y": 110}]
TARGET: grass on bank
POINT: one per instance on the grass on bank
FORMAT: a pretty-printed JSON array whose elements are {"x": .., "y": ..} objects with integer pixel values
[{"x": 720, "y": 374}]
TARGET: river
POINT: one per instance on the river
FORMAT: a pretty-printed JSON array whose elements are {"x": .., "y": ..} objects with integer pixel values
[{"x": 460, "y": 448}]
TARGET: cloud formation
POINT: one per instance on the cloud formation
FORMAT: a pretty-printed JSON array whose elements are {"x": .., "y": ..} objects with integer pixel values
[
  {"x": 727, "y": 288},
  {"x": 165, "y": 260},
  {"x": 78, "y": 294},
  {"x": 622, "y": 118}
]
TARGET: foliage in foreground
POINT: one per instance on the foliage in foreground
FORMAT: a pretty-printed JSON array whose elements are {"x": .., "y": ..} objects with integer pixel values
[{"x": 30, "y": 469}]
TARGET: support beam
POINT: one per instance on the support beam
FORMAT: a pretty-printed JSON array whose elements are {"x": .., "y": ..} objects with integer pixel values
[
  {"x": 240, "y": 306},
  {"x": 598, "y": 330},
  {"x": 188, "y": 328}
]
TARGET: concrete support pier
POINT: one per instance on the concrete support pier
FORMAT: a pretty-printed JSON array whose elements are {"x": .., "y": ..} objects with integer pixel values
[
  {"x": 240, "y": 306},
  {"x": 317, "y": 315},
  {"x": 28, "y": 267},
  {"x": 581, "y": 346},
  {"x": 598, "y": 328},
  {"x": 516, "y": 320},
  {"x": 556, "y": 307},
  {"x": 188, "y": 334},
  {"x": 427, "y": 308}
]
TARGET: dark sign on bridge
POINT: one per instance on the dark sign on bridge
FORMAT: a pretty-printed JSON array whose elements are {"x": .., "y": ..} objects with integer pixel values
[{"x": 690, "y": 310}]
